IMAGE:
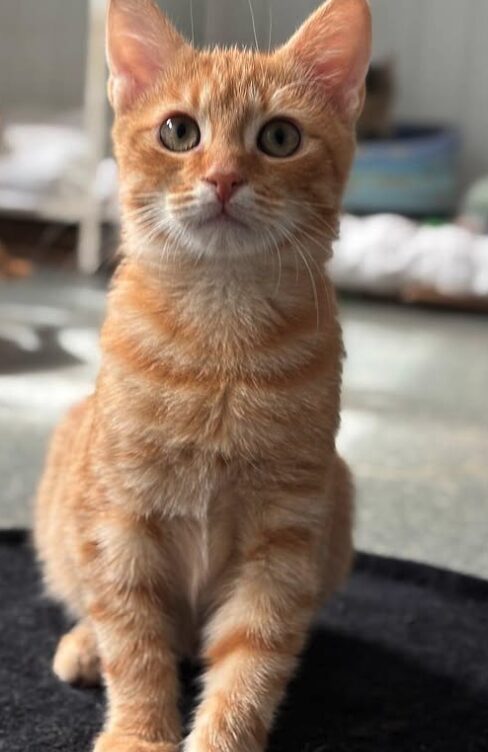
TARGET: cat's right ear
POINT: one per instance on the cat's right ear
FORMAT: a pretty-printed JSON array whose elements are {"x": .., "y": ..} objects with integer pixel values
[
  {"x": 141, "y": 43},
  {"x": 334, "y": 48}
]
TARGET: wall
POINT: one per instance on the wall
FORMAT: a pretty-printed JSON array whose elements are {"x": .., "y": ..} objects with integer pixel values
[
  {"x": 42, "y": 46},
  {"x": 42, "y": 49},
  {"x": 441, "y": 49},
  {"x": 230, "y": 21}
]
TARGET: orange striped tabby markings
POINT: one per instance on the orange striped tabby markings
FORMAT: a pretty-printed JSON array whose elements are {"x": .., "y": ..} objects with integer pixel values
[{"x": 195, "y": 501}]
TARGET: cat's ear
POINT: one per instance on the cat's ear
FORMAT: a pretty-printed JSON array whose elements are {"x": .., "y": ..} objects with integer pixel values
[
  {"x": 141, "y": 42},
  {"x": 334, "y": 47}
]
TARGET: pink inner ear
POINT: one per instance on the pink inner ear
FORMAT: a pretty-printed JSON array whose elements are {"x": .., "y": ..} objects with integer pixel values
[
  {"x": 335, "y": 46},
  {"x": 131, "y": 70},
  {"x": 140, "y": 44}
]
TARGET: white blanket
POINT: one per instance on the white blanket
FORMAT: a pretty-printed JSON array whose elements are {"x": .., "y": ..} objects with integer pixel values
[{"x": 385, "y": 252}]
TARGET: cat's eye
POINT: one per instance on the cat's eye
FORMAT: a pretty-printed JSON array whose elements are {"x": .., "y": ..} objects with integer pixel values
[
  {"x": 179, "y": 133},
  {"x": 279, "y": 138}
]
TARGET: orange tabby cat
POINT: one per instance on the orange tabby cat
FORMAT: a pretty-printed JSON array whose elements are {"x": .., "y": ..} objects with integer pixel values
[{"x": 196, "y": 502}]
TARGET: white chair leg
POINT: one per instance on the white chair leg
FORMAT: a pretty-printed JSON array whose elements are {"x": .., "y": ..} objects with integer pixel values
[{"x": 95, "y": 117}]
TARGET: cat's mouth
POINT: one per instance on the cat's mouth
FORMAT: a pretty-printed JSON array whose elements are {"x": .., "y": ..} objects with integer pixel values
[{"x": 222, "y": 218}]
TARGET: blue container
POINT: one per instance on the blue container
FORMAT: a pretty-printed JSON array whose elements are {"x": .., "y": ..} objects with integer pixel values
[{"x": 415, "y": 173}]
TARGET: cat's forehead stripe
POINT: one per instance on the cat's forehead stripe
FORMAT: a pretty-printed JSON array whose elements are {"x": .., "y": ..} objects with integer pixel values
[
  {"x": 227, "y": 101},
  {"x": 229, "y": 81},
  {"x": 205, "y": 96}
]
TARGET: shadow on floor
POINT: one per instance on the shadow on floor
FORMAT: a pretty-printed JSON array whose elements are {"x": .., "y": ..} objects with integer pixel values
[{"x": 43, "y": 351}]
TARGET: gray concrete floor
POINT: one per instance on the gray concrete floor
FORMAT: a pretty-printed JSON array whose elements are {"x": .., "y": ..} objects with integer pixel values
[
  {"x": 415, "y": 429},
  {"x": 415, "y": 418}
]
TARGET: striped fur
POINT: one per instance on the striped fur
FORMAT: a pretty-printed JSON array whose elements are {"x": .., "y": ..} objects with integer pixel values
[{"x": 195, "y": 503}]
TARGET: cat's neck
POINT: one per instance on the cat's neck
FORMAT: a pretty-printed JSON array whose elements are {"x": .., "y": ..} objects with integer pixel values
[
  {"x": 223, "y": 321},
  {"x": 229, "y": 287}
]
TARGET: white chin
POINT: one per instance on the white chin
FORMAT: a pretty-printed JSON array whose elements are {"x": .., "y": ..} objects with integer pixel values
[{"x": 223, "y": 236}]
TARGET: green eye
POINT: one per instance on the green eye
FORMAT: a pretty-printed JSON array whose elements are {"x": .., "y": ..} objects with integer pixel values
[
  {"x": 179, "y": 133},
  {"x": 279, "y": 138}
]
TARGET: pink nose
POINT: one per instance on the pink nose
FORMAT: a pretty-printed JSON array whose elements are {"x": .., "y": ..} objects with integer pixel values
[{"x": 225, "y": 183}]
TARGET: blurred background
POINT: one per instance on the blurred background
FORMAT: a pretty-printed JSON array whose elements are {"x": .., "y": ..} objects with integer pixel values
[{"x": 411, "y": 265}]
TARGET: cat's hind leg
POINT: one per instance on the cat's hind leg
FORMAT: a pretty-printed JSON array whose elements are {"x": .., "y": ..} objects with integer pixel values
[{"x": 76, "y": 660}]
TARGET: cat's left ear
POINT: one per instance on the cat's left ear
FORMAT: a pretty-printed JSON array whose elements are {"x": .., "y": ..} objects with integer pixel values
[
  {"x": 141, "y": 43},
  {"x": 334, "y": 47}
]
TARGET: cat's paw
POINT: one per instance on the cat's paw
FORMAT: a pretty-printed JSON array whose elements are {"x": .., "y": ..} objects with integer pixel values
[
  {"x": 113, "y": 742},
  {"x": 76, "y": 660},
  {"x": 194, "y": 743}
]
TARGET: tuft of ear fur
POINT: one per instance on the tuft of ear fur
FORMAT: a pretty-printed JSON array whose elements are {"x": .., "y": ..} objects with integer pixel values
[
  {"x": 141, "y": 43},
  {"x": 334, "y": 47}
]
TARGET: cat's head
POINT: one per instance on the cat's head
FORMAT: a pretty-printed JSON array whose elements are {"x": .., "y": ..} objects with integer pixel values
[{"x": 227, "y": 152}]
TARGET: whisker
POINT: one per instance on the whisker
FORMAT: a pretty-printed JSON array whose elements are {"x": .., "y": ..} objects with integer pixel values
[
  {"x": 306, "y": 202},
  {"x": 321, "y": 220},
  {"x": 320, "y": 237},
  {"x": 301, "y": 251},
  {"x": 268, "y": 248},
  {"x": 270, "y": 25},
  {"x": 145, "y": 195},
  {"x": 192, "y": 23},
  {"x": 318, "y": 242},
  {"x": 314, "y": 288},
  {"x": 322, "y": 278},
  {"x": 277, "y": 248},
  {"x": 181, "y": 196},
  {"x": 253, "y": 21}
]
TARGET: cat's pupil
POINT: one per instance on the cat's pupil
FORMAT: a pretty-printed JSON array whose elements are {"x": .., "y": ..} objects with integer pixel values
[
  {"x": 280, "y": 137},
  {"x": 181, "y": 130}
]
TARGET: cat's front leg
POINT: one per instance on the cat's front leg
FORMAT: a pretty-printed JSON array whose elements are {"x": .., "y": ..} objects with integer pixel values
[
  {"x": 129, "y": 610},
  {"x": 254, "y": 640},
  {"x": 140, "y": 673}
]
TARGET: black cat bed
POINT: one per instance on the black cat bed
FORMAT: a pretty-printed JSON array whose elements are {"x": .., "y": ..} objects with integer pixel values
[{"x": 396, "y": 663}]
